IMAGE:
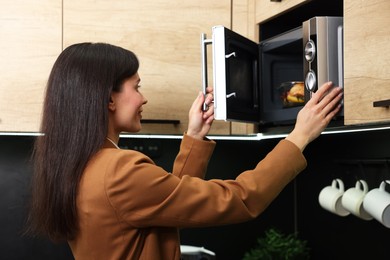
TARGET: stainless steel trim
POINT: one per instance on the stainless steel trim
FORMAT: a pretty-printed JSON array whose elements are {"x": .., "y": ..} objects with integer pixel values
[
  {"x": 251, "y": 137},
  {"x": 233, "y": 54},
  {"x": 340, "y": 48},
  {"x": 204, "y": 42},
  {"x": 233, "y": 94}
]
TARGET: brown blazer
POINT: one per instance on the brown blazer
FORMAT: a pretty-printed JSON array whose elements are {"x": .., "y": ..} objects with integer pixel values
[{"x": 129, "y": 208}]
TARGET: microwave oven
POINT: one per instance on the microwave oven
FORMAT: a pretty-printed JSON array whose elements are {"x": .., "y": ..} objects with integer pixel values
[{"x": 251, "y": 80}]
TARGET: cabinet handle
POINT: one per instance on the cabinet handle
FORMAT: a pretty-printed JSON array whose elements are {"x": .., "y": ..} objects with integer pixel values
[
  {"x": 160, "y": 121},
  {"x": 276, "y": 0},
  {"x": 382, "y": 103}
]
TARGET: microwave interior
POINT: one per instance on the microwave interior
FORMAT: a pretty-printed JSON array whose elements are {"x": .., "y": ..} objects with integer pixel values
[
  {"x": 281, "y": 61},
  {"x": 255, "y": 74}
]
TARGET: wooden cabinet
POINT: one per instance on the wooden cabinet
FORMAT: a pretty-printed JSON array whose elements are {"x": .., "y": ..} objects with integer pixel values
[
  {"x": 165, "y": 35},
  {"x": 366, "y": 61},
  {"x": 30, "y": 33},
  {"x": 267, "y": 9}
]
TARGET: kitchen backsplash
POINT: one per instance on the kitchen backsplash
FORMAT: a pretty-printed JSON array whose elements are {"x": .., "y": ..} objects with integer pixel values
[{"x": 296, "y": 209}]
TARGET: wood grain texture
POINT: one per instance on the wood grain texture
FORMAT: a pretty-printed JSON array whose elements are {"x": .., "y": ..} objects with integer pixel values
[
  {"x": 366, "y": 60},
  {"x": 266, "y": 9},
  {"x": 30, "y": 33},
  {"x": 165, "y": 35}
]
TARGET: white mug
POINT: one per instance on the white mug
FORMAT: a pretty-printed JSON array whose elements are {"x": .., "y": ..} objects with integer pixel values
[
  {"x": 352, "y": 200},
  {"x": 330, "y": 198},
  {"x": 377, "y": 204}
]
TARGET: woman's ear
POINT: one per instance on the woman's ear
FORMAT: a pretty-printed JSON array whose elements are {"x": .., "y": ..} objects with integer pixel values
[{"x": 111, "y": 104}]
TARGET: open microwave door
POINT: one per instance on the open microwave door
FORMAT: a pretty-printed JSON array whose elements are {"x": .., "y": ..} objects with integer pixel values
[{"x": 235, "y": 76}]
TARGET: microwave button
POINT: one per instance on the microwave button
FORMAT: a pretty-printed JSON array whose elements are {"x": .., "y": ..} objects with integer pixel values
[
  {"x": 311, "y": 81},
  {"x": 310, "y": 51}
]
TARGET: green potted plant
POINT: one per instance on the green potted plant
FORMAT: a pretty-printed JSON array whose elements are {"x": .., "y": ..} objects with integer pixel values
[{"x": 275, "y": 245}]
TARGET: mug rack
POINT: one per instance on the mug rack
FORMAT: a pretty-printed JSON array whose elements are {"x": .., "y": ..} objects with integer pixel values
[
  {"x": 358, "y": 168},
  {"x": 385, "y": 161},
  {"x": 376, "y": 188},
  {"x": 363, "y": 162}
]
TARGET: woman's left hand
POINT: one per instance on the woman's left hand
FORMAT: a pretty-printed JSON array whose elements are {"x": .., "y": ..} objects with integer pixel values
[{"x": 200, "y": 121}]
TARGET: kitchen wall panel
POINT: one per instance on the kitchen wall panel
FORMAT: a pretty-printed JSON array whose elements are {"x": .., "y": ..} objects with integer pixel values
[
  {"x": 296, "y": 209},
  {"x": 15, "y": 176},
  {"x": 331, "y": 236},
  {"x": 30, "y": 33},
  {"x": 366, "y": 61},
  {"x": 166, "y": 38}
]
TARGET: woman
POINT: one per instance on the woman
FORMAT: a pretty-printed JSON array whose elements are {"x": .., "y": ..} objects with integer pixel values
[{"x": 110, "y": 203}]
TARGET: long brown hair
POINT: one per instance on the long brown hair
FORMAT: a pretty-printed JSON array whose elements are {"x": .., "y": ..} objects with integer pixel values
[{"x": 74, "y": 126}]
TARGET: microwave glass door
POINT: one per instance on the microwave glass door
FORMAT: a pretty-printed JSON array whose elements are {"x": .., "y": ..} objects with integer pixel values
[
  {"x": 236, "y": 84},
  {"x": 281, "y": 64}
]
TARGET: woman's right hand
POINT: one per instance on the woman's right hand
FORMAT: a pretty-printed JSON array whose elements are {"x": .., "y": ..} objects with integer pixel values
[{"x": 313, "y": 118}]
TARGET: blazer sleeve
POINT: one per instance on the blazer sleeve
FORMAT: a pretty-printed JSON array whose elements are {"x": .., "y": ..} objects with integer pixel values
[
  {"x": 193, "y": 157},
  {"x": 144, "y": 195}
]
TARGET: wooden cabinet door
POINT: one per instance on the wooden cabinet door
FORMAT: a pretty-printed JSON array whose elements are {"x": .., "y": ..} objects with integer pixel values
[
  {"x": 267, "y": 9},
  {"x": 165, "y": 35},
  {"x": 366, "y": 61},
  {"x": 30, "y": 33}
]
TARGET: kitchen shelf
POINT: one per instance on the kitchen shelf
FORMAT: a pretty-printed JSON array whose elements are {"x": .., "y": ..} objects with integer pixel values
[{"x": 250, "y": 137}]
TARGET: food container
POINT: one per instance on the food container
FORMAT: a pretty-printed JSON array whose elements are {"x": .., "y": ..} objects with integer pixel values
[{"x": 292, "y": 93}]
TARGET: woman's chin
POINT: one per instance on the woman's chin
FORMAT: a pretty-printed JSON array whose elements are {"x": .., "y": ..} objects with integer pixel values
[
  {"x": 133, "y": 129},
  {"x": 136, "y": 129}
]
